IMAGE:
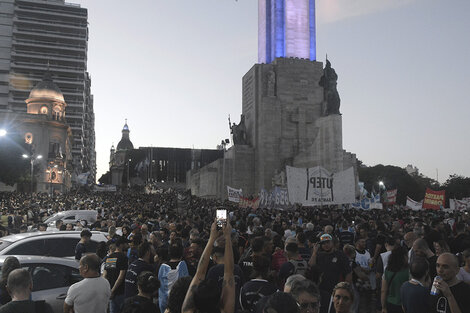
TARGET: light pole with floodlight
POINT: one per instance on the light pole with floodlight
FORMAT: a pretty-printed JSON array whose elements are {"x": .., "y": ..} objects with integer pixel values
[{"x": 32, "y": 158}]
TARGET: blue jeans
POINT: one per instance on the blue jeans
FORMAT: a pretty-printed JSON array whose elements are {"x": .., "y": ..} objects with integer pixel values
[{"x": 116, "y": 304}]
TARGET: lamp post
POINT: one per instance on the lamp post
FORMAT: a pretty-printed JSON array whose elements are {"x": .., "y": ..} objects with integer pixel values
[
  {"x": 128, "y": 178},
  {"x": 3, "y": 132},
  {"x": 32, "y": 158},
  {"x": 382, "y": 196}
]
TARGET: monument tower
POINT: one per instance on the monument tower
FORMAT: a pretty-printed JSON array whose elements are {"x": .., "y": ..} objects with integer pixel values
[
  {"x": 286, "y": 29},
  {"x": 290, "y": 109}
]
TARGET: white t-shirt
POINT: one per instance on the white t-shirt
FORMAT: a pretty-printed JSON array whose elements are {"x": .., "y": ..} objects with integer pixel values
[
  {"x": 89, "y": 295},
  {"x": 463, "y": 275}
]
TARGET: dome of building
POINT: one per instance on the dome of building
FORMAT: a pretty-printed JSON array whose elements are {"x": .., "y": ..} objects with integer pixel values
[
  {"x": 125, "y": 143},
  {"x": 47, "y": 89}
]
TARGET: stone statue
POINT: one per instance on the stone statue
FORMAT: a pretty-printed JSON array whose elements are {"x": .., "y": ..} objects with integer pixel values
[
  {"x": 330, "y": 94},
  {"x": 238, "y": 131},
  {"x": 279, "y": 179}
]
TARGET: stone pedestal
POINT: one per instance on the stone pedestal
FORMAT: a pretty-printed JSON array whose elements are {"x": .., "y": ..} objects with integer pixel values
[
  {"x": 285, "y": 125},
  {"x": 327, "y": 149}
]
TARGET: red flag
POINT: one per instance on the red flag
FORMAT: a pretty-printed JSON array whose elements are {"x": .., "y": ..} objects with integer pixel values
[{"x": 434, "y": 200}]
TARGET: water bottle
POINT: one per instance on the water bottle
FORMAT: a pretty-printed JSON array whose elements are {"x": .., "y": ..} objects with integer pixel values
[{"x": 434, "y": 290}]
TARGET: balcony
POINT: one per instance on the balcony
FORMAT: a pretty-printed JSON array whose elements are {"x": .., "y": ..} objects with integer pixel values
[
  {"x": 34, "y": 43},
  {"x": 64, "y": 23},
  {"x": 39, "y": 66},
  {"x": 49, "y": 11},
  {"x": 38, "y": 32},
  {"x": 48, "y": 56}
]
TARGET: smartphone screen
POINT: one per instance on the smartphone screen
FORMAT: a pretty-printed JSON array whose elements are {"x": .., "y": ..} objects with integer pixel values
[{"x": 221, "y": 216}]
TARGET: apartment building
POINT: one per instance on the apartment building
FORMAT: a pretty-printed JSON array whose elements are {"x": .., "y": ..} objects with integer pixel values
[{"x": 37, "y": 36}]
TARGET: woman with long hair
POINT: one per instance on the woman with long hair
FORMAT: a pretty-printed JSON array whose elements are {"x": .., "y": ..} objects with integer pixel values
[
  {"x": 395, "y": 275},
  {"x": 441, "y": 247}
]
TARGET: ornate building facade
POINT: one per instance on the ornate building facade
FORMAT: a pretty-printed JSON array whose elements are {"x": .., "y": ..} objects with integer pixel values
[{"x": 47, "y": 135}]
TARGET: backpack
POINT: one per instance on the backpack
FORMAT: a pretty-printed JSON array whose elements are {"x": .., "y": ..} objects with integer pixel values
[{"x": 300, "y": 267}]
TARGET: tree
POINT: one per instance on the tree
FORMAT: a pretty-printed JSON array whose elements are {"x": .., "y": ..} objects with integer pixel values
[
  {"x": 457, "y": 187},
  {"x": 395, "y": 177}
]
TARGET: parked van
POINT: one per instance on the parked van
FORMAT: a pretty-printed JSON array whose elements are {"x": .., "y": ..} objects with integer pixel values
[{"x": 72, "y": 217}]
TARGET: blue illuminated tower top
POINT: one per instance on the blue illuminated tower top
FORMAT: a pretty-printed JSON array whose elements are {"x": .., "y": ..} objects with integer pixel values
[{"x": 286, "y": 28}]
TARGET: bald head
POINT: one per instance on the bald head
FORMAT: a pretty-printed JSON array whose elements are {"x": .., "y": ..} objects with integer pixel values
[
  {"x": 449, "y": 258},
  {"x": 447, "y": 266}
]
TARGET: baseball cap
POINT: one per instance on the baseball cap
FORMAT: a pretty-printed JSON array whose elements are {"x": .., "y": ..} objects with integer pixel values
[{"x": 325, "y": 237}]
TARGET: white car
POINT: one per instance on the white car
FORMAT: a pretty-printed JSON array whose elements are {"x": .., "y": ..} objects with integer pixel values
[
  {"x": 72, "y": 217},
  {"x": 47, "y": 243},
  {"x": 51, "y": 276}
]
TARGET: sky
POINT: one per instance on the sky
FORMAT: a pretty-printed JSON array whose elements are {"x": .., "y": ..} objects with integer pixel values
[{"x": 174, "y": 69}]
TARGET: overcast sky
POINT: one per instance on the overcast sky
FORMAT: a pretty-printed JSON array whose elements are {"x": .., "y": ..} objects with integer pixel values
[{"x": 173, "y": 68}]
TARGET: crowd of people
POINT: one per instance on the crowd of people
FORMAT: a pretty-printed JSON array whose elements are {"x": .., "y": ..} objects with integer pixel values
[{"x": 160, "y": 257}]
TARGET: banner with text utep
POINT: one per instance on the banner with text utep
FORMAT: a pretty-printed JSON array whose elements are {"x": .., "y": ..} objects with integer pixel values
[
  {"x": 317, "y": 186},
  {"x": 434, "y": 199}
]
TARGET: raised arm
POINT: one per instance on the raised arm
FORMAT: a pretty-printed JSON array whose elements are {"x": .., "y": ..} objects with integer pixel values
[
  {"x": 188, "y": 304},
  {"x": 228, "y": 287}
]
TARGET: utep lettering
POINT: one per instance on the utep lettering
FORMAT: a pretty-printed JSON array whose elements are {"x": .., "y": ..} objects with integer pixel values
[{"x": 321, "y": 182}]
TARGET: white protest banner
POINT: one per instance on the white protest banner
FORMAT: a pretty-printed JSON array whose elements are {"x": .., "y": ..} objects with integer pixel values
[
  {"x": 392, "y": 196},
  {"x": 414, "y": 205},
  {"x": 459, "y": 205},
  {"x": 316, "y": 186},
  {"x": 234, "y": 194}
]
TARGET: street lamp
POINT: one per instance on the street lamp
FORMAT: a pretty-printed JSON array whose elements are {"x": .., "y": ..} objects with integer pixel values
[
  {"x": 3, "y": 132},
  {"x": 32, "y": 158},
  {"x": 128, "y": 178}
]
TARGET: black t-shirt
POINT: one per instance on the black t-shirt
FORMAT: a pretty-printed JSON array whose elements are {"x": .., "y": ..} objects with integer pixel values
[
  {"x": 246, "y": 264},
  {"x": 115, "y": 262},
  {"x": 130, "y": 282},
  {"x": 217, "y": 273},
  {"x": 432, "y": 266},
  {"x": 415, "y": 298},
  {"x": 144, "y": 305},
  {"x": 461, "y": 293},
  {"x": 80, "y": 249},
  {"x": 253, "y": 291},
  {"x": 334, "y": 268},
  {"x": 25, "y": 306}
]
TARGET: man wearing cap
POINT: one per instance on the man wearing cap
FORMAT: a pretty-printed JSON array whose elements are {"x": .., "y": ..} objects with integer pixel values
[
  {"x": 333, "y": 264},
  {"x": 80, "y": 248}
]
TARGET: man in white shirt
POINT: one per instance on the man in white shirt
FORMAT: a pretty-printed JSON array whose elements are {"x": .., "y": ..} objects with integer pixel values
[{"x": 92, "y": 293}]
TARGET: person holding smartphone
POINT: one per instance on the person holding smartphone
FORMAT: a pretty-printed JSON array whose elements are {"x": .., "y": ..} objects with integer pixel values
[{"x": 204, "y": 295}]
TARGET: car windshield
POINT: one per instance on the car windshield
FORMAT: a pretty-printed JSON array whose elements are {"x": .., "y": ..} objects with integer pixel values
[{"x": 4, "y": 244}]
